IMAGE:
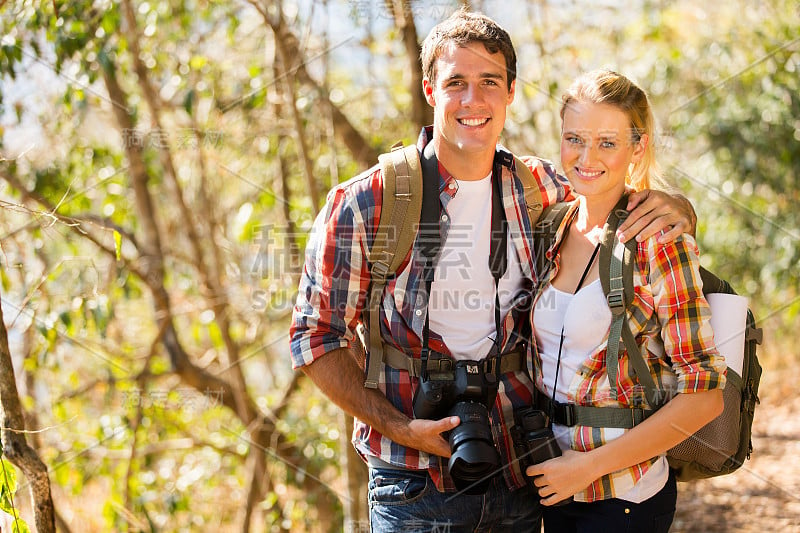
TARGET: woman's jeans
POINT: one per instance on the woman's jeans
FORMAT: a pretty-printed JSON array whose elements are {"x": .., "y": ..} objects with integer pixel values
[{"x": 653, "y": 515}]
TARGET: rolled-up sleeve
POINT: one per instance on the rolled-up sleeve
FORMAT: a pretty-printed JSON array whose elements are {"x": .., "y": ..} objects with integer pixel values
[
  {"x": 684, "y": 315},
  {"x": 553, "y": 186},
  {"x": 333, "y": 284}
]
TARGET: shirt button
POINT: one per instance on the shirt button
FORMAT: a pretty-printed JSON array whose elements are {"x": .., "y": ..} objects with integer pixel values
[
  {"x": 444, "y": 218},
  {"x": 627, "y": 511},
  {"x": 451, "y": 186},
  {"x": 418, "y": 312}
]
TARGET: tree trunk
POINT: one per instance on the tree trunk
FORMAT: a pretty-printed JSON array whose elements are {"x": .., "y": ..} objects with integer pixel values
[
  {"x": 421, "y": 112},
  {"x": 356, "y": 510},
  {"x": 287, "y": 77},
  {"x": 15, "y": 447},
  {"x": 263, "y": 433},
  {"x": 210, "y": 285}
]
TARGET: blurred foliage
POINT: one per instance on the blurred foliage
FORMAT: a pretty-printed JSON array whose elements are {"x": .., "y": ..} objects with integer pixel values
[{"x": 131, "y": 447}]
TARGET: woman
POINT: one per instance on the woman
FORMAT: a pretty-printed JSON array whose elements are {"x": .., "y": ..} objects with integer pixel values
[{"x": 619, "y": 478}]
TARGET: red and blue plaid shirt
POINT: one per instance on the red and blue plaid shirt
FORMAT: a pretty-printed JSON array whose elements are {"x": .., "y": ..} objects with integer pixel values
[{"x": 335, "y": 283}]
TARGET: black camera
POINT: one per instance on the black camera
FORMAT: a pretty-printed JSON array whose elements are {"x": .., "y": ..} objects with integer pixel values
[
  {"x": 534, "y": 441},
  {"x": 465, "y": 390}
]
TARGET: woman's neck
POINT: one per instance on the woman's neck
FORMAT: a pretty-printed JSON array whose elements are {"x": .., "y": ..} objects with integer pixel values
[{"x": 592, "y": 214}]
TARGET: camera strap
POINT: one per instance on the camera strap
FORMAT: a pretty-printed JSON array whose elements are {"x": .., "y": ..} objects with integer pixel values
[
  {"x": 551, "y": 411},
  {"x": 430, "y": 235},
  {"x": 431, "y": 242}
]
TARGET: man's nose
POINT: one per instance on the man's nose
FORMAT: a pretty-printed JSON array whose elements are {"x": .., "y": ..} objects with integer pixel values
[{"x": 472, "y": 95}]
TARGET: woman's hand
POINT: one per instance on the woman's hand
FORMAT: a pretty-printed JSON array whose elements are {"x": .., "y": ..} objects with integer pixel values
[{"x": 559, "y": 478}]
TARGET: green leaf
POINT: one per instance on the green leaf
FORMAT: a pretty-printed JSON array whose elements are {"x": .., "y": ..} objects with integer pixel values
[
  {"x": 4, "y": 279},
  {"x": 118, "y": 244},
  {"x": 20, "y": 526},
  {"x": 188, "y": 101},
  {"x": 8, "y": 484},
  {"x": 198, "y": 62}
]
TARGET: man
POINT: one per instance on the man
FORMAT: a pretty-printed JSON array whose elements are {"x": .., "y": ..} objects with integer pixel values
[{"x": 469, "y": 68}]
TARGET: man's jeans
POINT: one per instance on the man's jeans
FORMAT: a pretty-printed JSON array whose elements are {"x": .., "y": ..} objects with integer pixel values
[{"x": 407, "y": 501}]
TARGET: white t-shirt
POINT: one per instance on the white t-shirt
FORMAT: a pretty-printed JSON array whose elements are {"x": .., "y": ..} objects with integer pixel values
[
  {"x": 586, "y": 318},
  {"x": 461, "y": 304}
]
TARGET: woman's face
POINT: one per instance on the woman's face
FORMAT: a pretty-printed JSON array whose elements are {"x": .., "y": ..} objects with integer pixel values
[{"x": 597, "y": 148}]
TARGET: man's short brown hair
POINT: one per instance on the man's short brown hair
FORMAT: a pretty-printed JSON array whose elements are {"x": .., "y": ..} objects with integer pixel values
[{"x": 464, "y": 27}]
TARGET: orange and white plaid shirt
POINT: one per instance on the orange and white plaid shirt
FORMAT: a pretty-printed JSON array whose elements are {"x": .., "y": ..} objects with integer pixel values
[{"x": 670, "y": 319}]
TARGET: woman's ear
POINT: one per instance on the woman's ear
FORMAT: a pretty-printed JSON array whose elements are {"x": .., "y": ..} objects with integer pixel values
[{"x": 640, "y": 148}]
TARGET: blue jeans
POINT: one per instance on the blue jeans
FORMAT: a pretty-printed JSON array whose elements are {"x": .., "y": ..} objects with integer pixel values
[
  {"x": 407, "y": 501},
  {"x": 653, "y": 515}
]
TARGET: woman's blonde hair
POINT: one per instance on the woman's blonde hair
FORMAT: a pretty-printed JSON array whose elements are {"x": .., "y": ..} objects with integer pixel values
[{"x": 608, "y": 87}]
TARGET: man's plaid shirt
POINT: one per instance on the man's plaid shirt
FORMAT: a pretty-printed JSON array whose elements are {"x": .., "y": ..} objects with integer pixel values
[
  {"x": 670, "y": 319},
  {"x": 335, "y": 283}
]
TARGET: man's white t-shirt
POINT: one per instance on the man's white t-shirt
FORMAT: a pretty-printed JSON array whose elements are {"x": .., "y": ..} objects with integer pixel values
[{"x": 462, "y": 300}]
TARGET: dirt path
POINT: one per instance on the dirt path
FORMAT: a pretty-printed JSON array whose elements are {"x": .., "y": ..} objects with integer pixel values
[{"x": 764, "y": 495}]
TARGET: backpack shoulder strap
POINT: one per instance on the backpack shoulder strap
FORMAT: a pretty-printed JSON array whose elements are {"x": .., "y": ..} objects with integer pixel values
[
  {"x": 401, "y": 205},
  {"x": 616, "y": 277},
  {"x": 544, "y": 234}
]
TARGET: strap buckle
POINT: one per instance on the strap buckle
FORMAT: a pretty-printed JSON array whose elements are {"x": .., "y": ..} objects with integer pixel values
[
  {"x": 566, "y": 413},
  {"x": 616, "y": 301},
  {"x": 444, "y": 364},
  {"x": 379, "y": 270}
]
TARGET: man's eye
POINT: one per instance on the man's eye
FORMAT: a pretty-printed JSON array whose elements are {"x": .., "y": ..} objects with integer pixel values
[{"x": 573, "y": 140}]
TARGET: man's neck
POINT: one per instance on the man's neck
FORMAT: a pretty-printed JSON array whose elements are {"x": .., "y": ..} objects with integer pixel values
[{"x": 464, "y": 166}]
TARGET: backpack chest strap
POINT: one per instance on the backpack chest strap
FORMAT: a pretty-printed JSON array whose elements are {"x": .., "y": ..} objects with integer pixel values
[
  {"x": 568, "y": 414},
  {"x": 511, "y": 361}
]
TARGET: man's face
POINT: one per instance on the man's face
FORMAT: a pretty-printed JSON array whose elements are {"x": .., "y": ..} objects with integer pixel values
[{"x": 469, "y": 97}]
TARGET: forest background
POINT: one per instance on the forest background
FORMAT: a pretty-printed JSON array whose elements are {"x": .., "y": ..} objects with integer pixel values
[{"x": 162, "y": 161}]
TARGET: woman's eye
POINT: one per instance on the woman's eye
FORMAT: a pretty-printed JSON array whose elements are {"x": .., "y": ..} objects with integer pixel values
[{"x": 608, "y": 144}]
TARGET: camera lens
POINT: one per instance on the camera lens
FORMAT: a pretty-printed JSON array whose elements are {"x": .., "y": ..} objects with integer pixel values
[{"x": 474, "y": 459}]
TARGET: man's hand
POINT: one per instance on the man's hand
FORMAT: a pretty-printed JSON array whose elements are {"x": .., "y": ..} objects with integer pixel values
[
  {"x": 652, "y": 211},
  {"x": 339, "y": 377},
  {"x": 426, "y": 435}
]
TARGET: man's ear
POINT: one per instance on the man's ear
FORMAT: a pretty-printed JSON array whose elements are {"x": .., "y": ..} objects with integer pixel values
[
  {"x": 511, "y": 92},
  {"x": 427, "y": 89}
]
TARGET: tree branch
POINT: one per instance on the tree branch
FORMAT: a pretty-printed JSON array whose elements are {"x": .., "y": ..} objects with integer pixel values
[
  {"x": 355, "y": 142},
  {"x": 76, "y": 224}
]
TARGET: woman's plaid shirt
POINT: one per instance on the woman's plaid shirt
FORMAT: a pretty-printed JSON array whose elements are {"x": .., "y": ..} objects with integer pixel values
[
  {"x": 334, "y": 285},
  {"x": 670, "y": 319}
]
